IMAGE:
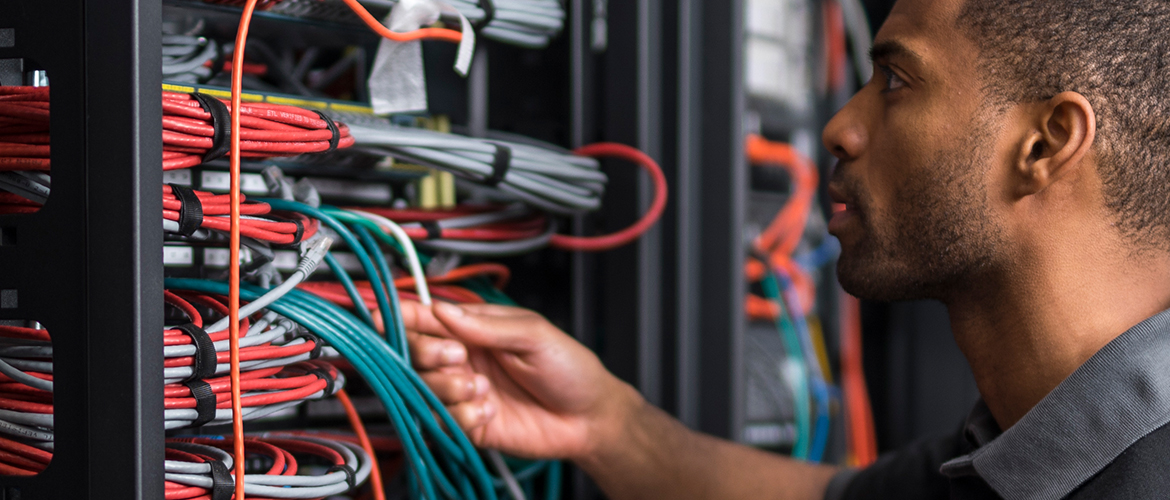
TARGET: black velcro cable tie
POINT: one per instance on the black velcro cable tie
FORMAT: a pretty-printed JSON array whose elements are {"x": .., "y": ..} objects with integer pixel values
[
  {"x": 350, "y": 475},
  {"x": 324, "y": 374},
  {"x": 221, "y": 122},
  {"x": 489, "y": 13},
  {"x": 205, "y": 355},
  {"x": 204, "y": 402},
  {"x": 336, "y": 139},
  {"x": 298, "y": 234},
  {"x": 434, "y": 232},
  {"x": 223, "y": 486},
  {"x": 190, "y": 211},
  {"x": 317, "y": 344},
  {"x": 300, "y": 231},
  {"x": 500, "y": 166}
]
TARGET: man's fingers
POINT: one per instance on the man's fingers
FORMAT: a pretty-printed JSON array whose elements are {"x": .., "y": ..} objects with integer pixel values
[
  {"x": 453, "y": 389},
  {"x": 473, "y": 415},
  {"x": 432, "y": 353},
  {"x": 419, "y": 318},
  {"x": 492, "y": 327}
]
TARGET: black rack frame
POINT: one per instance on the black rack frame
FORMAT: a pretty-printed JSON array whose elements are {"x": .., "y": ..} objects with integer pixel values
[{"x": 88, "y": 266}]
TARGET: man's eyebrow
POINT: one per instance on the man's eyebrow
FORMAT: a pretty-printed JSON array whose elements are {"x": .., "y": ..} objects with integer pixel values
[{"x": 892, "y": 49}]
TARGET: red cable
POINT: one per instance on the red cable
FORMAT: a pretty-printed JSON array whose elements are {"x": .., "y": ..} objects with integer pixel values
[
  {"x": 628, "y": 235},
  {"x": 861, "y": 436},
  {"x": 234, "y": 249},
  {"x": 355, "y": 421}
]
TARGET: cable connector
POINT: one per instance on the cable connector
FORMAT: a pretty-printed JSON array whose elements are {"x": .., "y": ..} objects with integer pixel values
[
  {"x": 278, "y": 185},
  {"x": 314, "y": 255},
  {"x": 305, "y": 192}
]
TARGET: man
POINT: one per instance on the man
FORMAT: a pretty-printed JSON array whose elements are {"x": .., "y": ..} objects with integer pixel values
[{"x": 1009, "y": 158}]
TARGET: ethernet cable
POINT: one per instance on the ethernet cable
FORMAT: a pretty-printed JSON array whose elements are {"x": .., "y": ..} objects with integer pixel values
[
  {"x": 420, "y": 282},
  {"x": 309, "y": 262},
  {"x": 412, "y": 408},
  {"x": 555, "y": 182},
  {"x": 352, "y": 466}
]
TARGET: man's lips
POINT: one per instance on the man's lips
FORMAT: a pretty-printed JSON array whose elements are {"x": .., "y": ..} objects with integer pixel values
[
  {"x": 844, "y": 209},
  {"x": 841, "y": 198}
]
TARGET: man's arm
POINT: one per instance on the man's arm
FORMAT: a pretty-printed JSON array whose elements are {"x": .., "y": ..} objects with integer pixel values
[{"x": 516, "y": 383}]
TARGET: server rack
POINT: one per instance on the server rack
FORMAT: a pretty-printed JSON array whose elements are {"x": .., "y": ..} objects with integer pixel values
[{"x": 89, "y": 265}]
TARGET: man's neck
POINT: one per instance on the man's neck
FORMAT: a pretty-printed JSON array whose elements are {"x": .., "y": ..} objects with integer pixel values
[{"x": 1029, "y": 332}]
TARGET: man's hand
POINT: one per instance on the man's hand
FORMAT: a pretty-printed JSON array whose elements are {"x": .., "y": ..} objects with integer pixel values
[{"x": 516, "y": 383}]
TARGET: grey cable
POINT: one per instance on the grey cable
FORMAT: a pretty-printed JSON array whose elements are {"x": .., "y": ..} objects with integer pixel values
[
  {"x": 33, "y": 419},
  {"x": 23, "y": 186},
  {"x": 24, "y": 378},
  {"x": 505, "y": 473},
  {"x": 490, "y": 249},
  {"x": 13, "y": 429}
]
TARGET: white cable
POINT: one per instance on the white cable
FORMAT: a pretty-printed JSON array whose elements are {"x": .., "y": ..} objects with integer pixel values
[{"x": 416, "y": 269}]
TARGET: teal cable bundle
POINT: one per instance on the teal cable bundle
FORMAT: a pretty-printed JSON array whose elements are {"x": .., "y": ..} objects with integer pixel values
[
  {"x": 410, "y": 404},
  {"x": 457, "y": 470}
]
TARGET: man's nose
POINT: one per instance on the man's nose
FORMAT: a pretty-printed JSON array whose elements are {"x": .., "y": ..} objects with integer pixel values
[{"x": 845, "y": 136}]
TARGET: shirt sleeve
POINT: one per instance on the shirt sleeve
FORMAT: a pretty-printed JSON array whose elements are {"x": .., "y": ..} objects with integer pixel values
[{"x": 911, "y": 473}]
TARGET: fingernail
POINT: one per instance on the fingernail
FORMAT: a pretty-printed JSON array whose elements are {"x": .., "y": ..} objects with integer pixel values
[
  {"x": 452, "y": 355},
  {"x": 450, "y": 309},
  {"x": 488, "y": 410},
  {"x": 481, "y": 385}
]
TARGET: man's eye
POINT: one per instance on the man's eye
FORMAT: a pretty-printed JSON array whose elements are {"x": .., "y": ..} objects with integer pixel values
[{"x": 893, "y": 81}]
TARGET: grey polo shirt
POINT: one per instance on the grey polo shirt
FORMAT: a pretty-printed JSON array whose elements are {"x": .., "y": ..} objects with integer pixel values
[{"x": 1102, "y": 433}]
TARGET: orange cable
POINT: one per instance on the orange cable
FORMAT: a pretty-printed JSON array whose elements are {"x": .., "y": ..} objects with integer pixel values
[
  {"x": 234, "y": 250},
  {"x": 359, "y": 428},
  {"x": 420, "y": 34}
]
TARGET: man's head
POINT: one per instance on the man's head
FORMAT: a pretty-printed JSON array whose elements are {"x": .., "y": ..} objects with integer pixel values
[{"x": 994, "y": 128}]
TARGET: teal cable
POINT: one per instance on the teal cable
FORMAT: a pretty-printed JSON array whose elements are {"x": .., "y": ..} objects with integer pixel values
[
  {"x": 801, "y": 403},
  {"x": 343, "y": 343},
  {"x": 351, "y": 218},
  {"x": 350, "y": 240},
  {"x": 350, "y": 288},
  {"x": 392, "y": 291},
  {"x": 358, "y": 342},
  {"x": 552, "y": 486}
]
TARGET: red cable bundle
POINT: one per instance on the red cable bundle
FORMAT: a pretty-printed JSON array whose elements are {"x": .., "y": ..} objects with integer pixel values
[
  {"x": 262, "y": 387},
  {"x": 266, "y": 130},
  {"x": 16, "y": 204},
  {"x": 189, "y": 130},
  {"x": 215, "y": 209},
  {"x": 24, "y": 128},
  {"x": 19, "y": 459}
]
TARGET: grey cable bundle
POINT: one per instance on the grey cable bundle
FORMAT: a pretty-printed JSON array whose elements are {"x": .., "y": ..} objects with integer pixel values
[{"x": 549, "y": 179}]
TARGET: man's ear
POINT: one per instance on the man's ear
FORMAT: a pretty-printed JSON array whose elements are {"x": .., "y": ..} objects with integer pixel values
[{"x": 1064, "y": 130}]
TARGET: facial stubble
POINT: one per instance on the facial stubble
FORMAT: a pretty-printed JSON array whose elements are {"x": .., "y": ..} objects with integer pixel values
[{"x": 938, "y": 236}]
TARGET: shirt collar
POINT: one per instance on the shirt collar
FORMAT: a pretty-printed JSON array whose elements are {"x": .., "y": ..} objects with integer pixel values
[{"x": 1116, "y": 398}]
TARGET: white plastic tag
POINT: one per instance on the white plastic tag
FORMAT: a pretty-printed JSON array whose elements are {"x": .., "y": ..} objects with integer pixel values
[
  {"x": 397, "y": 81},
  {"x": 467, "y": 45}
]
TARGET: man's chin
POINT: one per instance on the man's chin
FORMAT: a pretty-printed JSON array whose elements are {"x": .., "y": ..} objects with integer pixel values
[{"x": 868, "y": 279}]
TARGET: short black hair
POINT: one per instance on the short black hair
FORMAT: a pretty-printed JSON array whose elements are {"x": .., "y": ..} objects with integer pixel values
[{"x": 1115, "y": 53}]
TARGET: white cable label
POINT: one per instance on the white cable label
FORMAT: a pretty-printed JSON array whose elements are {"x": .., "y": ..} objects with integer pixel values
[{"x": 397, "y": 81}]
